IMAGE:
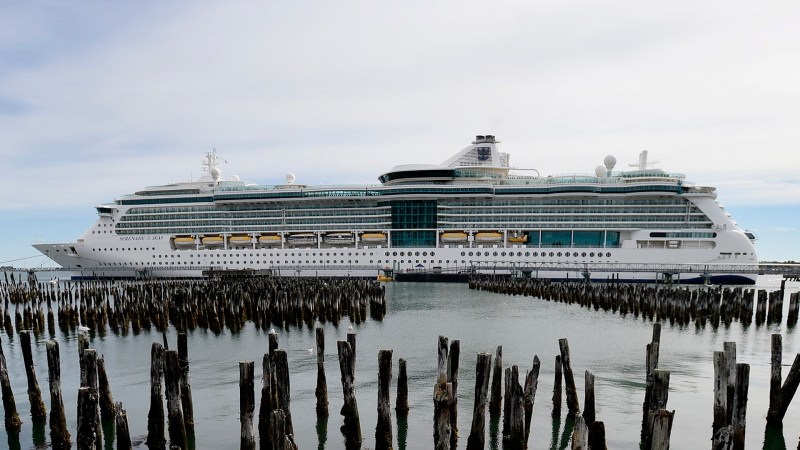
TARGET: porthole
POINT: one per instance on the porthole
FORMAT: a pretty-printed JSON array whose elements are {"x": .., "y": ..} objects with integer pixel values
[
  {"x": 559, "y": 254},
  {"x": 591, "y": 254},
  {"x": 583, "y": 254},
  {"x": 608, "y": 255},
  {"x": 470, "y": 253}
]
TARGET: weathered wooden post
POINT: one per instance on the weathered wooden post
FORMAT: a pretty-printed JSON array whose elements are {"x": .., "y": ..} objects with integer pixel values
[
  {"x": 569, "y": 379},
  {"x": 529, "y": 395},
  {"x": 59, "y": 433},
  {"x": 662, "y": 428},
  {"x": 557, "y": 388},
  {"x": 383, "y": 431},
  {"x": 720, "y": 431},
  {"x": 267, "y": 406},
  {"x": 247, "y": 405},
  {"x": 281, "y": 440},
  {"x": 730, "y": 358},
  {"x": 38, "y": 410},
  {"x": 452, "y": 378},
  {"x": 401, "y": 405},
  {"x": 121, "y": 423},
  {"x": 588, "y": 402},
  {"x": 185, "y": 384},
  {"x": 442, "y": 396},
  {"x": 87, "y": 419},
  {"x": 738, "y": 422},
  {"x": 580, "y": 434},
  {"x": 12, "y": 421},
  {"x": 281, "y": 367},
  {"x": 83, "y": 344},
  {"x": 773, "y": 412},
  {"x": 477, "y": 435},
  {"x": 321, "y": 391},
  {"x": 351, "y": 339},
  {"x": 155, "y": 416},
  {"x": 352, "y": 423},
  {"x": 104, "y": 392},
  {"x": 497, "y": 382},
  {"x": 515, "y": 439},
  {"x": 658, "y": 401},
  {"x": 177, "y": 430},
  {"x": 597, "y": 436}
]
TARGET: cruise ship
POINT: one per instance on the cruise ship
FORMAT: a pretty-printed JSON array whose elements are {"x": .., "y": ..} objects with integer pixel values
[{"x": 472, "y": 213}]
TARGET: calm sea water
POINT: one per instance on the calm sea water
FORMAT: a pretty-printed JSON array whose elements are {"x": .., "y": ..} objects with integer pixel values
[{"x": 610, "y": 346}]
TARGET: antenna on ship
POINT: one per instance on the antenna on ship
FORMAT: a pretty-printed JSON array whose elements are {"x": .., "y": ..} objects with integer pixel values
[
  {"x": 211, "y": 165},
  {"x": 643, "y": 164}
]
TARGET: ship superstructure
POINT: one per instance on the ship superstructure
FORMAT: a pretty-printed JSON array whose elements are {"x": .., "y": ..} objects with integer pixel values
[{"x": 470, "y": 213}]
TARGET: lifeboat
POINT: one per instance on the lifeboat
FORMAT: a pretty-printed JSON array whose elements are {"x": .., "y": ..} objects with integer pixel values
[
  {"x": 302, "y": 239},
  {"x": 488, "y": 236},
  {"x": 183, "y": 241},
  {"x": 240, "y": 240},
  {"x": 451, "y": 237},
  {"x": 269, "y": 239},
  {"x": 338, "y": 238},
  {"x": 373, "y": 237},
  {"x": 518, "y": 237},
  {"x": 213, "y": 241}
]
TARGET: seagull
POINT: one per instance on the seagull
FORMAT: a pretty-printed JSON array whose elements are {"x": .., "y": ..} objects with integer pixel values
[
  {"x": 350, "y": 328},
  {"x": 310, "y": 351},
  {"x": 272, "y": 331}
]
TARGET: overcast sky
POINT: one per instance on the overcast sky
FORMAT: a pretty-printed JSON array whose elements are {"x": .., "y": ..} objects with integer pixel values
[{"x": 98, "y": 99}]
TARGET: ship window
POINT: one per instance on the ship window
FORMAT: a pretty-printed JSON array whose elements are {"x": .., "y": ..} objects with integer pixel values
[
  {"x": 558, "y": 254},
  {"x": 470, "y": 253},
  {"x": 608, "y": 255},
  {"x": 503, "y": 254},
  {"x": 551, "y": 254},
  {"x": 583, "y": 254},
  {"x": 462, "y": 253}
]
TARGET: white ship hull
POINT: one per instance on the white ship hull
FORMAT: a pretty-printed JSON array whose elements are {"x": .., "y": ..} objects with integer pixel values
[{"x": 154, "y": 257}]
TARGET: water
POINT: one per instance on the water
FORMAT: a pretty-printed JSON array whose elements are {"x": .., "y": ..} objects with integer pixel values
[{"x": 610, "y": 346}]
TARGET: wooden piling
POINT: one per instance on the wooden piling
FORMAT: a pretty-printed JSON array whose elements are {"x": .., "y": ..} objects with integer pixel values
[
  {"x": 268, "y": 402},
  {"x": 321, "y": 392},
  {"x": 155, "y": 416},
  {"x": 104, "y": 392},
  {"x": 569, "y": 379},
  {"x": 658, "y": 401},
  {"x": 383, "y": 430},
  {"x": 442, "y": 395},
  {"x": 12, "y": 421},
  {"x": 720, "y": 431},
  {"x": 597, "y": 436},
  {"x": 121, "y": 425},
  {"x": 247, "y": 405},
  {"x": 185, "y": 384},
  {"x": 38, "y": 410},
  {"x": 282, "y": 388},
  {"x": 176, "y": 427},
  {"x": 59, "y": 433},
  {"x": 477, "y": 435},
  {"x": 580, "y": 434},
  {"x": 497, "y": 382},
  {"x": 738, "y": 419},
  {"x": 588, "y": 402},
  {"x": 401, "y": 405},
  {"x": 452, "y": 378},
  {"x": 280, "y": 438},
  {"x": 352, "y": 424},
  {"x": 730, "y": 358},
  {"x": 515, "y": 440},
  {"x": 529, "y": 396},
  {"x": 557, "y": 387},
  {"x": 87, "y": 419},
  {"x": 661, "y": 430},
  {"x": 773, "y": 412}
]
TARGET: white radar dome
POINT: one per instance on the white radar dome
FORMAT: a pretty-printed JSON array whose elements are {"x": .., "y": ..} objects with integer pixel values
[
  {"x": 610, "y": 162},
  {"x": 215, "y": 173},
  {"x": 600, "y": 171},
  {"x": 290, "y": 178},
  {"x": 236, "y": 178}
]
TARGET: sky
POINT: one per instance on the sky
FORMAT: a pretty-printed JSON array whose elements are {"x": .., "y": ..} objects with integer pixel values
[{"x": 99, "y": 99}]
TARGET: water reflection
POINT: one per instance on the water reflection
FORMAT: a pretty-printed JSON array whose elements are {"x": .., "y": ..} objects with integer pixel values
[
  {"x": 322, "y": 432},
  {"x": 39, "y": 436},
  {"x": 773, "y": 438},
  {"x": 566, "y": 434},
  {"x": 494, "y": 428},
  {"x": 108, "y": 434},
  {"x": 13, "y": 441},
  {"x": 402, "y": 432}
]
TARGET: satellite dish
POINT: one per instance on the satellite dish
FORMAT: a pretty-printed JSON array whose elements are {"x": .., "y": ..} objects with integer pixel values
[{"x": 290, "y": 178}]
